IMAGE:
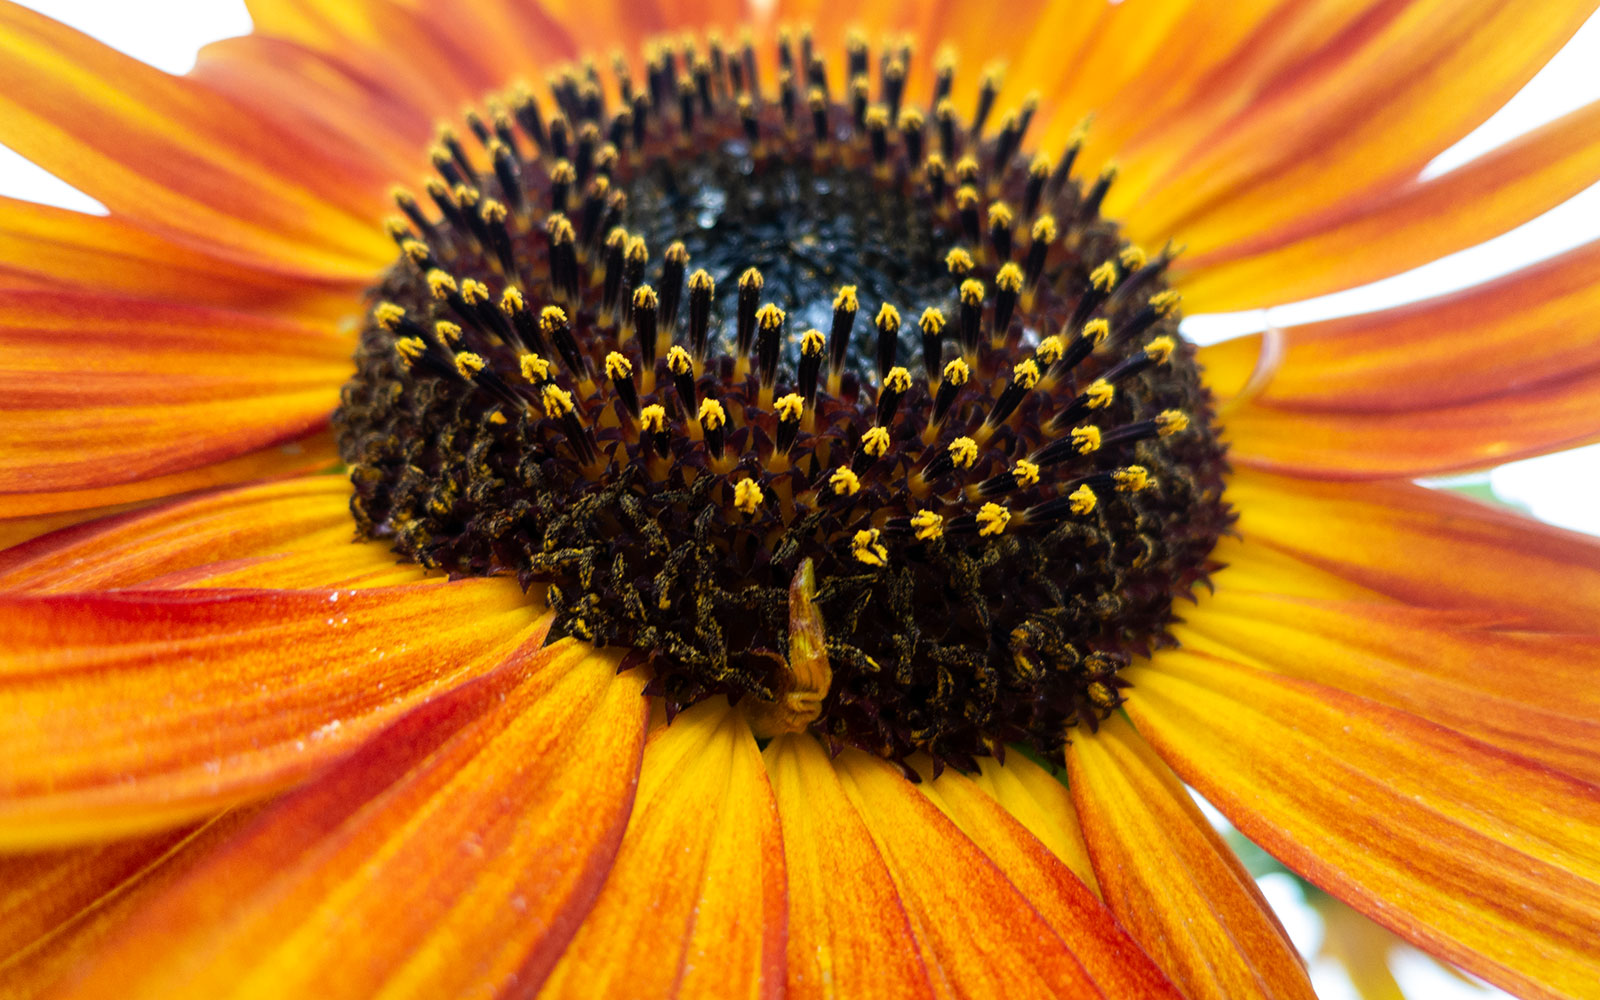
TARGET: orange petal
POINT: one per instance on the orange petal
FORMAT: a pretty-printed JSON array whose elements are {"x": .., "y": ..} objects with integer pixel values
[
  {"x": 100, "y": 391},
  {"x": 849, "y": 935},
  {"x": 1041, "y": 804},
  {"x": 76, "y": 937},
  {"x": 1111, "y": 958},
  {"x": 163, "y": 152},
  {"x": 42, "y": 891},
  {"x": 46, "y": 247},
  {"x": 1359, "y": 112},
  {"x": 695, "y": 905},
  {"x": 1530, "y": 693},
  {"x": 451, "y": 856},
  {"x": 35, "y": 513},
  {"x": 131, "y": 710},
  {"x": 1402, "y": 228},
  {"x": 1170, "y": 879},
  {"x": 1478, "y": 856},
  {"x": 981, "y": 931},
  {"x": 290, "y": 534},
  {"x": 1427, "y": 547}
]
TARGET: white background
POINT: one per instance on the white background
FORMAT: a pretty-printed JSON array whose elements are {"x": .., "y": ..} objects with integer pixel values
[{"x": 1562, "y": 489}]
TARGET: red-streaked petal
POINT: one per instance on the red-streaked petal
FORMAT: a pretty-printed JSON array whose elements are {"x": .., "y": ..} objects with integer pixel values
[
  {"x": 695, "y": 904},
  {"x": 1041, "y": 804},
  {"x": 46, "y": 247},
  {"x": 975, "y": 926},
  {"x": 40, "y": 892},
  {"x": 1532, "y": 328},
  {"x": 1111, "y": 958},
  {"x": 164, "y": 152},
  {"x": 76, "y": 938},
  {"x": 291, "y": 534},
  {"x": 1530, "y": 693},
  {"x": 1479, "y": 856},
  {"x": 1358, "y": 111},
  {"x": 1427, "y": 547},
  {"x": 35, "y": 513},
  {"x": 1170, "y": 879},
  {"x": 132, "y": 710},
  {"x": 1402, "y": 228},
  {"x": 452, "y": 856},
  {"x": 849, "y": 936}
]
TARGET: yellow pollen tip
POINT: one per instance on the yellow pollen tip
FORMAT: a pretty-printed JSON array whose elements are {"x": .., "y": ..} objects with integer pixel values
[
  {"x": 1040, "y": 167},
  {"x": 497, "y": 418},
  {"x": 1101, "y": 693},
  {"x": 618, "y": 367},
  {"x": 653, "y": 418},
  {"x": 440, "y": 283},
  {"x": 966, "y": 197},
  {"x": 972, "y": 292},
  {"x": 888, "y": 318},
  {"x": 512, "y": 302},
  {"x": 534, "y": 368},
  {"x": 638, "y": 251},
  {"x": 559, "y": 228},
  {"x": 1132, "y": 258},
  {"x": 934, "y": 165},
  {"x": 1100, "y": 393},
  {"x": 448, "y": 332},
  {"x": 416, "y": 251},
  {"x": 868, "y": 549},
  {"x": 747, "y": 496},
  {"x": 1025, "y": 374},
  {"x": 963, "y": 452},
  {"x": 846, "y": 299},
  {"x": 1026, "y": 473},
  {"x": 877, "y": 117},
  {"x": 474, "y": 291},
  {"x": 812, "y": 343},
  {"x": 1165, "y": 302},
  {"x": 1000, "y": 214},
  {"x": 912, "y": 120},
  {"x": 845, "y": 482},
  {"x": 751, "y": 278},
  {"x": 678, "y": 361},
  {"x": 410, "y": 349},
  {"x": 932, "y": 320},
  {"x": 1132, "y": 479},
  {"x": 1086, "y": 439},
  {"x": 467, "y": 196},
  {"x": 644, "y": 297},
  {"x": 769, "y": 317},
  {"x": 992, "y": 519},
  {"x": 469, "y": 364},
  {"x": 702, "y": 281},
  {"x": 557, "y": 401},
  {"x": 563, "y": 172},
  {"x": 677, "y": 253},
  {"x": 967, "y": 168},
  {"x": 617, "y": 238},
  {"x": 1083, "y": 500},
  {"x": 1050, "y": 350},
  {"x": 1044, "y": 228},
  {"x": 875, "y": 442},
  {"x": 551, "y": 317},
  {"x": 1104, "y": 276},
  {"x": 957, "y": 372},
  {"x": 1170, "y": 422},
  {"x": 898, "y": 380},
  {"x": 927, "y": 525},
  {"x": 388, "y": 315},
  {"x": 1160, "y": 349},
  {"x": 790, "y": 407},
  {"x": 493, "y": 212},
  {"x": 958, "y": 261},
  {"x": 1009, "y": 278},
  {"x": 712, "y": 415},
  {"x": 1097, "y": 330}
]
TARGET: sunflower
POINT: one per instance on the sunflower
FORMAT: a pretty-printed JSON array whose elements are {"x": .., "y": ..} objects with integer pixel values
[{"x": 781, "y": 542}]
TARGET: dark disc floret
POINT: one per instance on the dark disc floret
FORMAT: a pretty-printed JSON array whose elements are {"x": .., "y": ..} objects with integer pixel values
[{"x": 664, "y": 348}]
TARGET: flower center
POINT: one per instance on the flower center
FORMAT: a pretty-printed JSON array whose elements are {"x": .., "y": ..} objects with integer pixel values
[{"x": 898, "y": 440}]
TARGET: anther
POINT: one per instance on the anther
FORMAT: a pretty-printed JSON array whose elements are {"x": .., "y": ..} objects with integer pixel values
[
  {"x": 971, "y": 316},
  {"x": 1043, "y": 234},
  {"x": 523, "y": 323},
  {"x": 644, "y": 326},
  {"x": 1007, "y": 291},
  {"x": 992, "y": 519},
  {"x": 673, "y": 265},
  {"x": 868, "y": 550},
  {"x": 562, "y": 177},
  {"x": 844, "y": 482},
  {"x": 507, "y": 172},
  {"x": 959, "y": 263},
  {"x": 616, "y": 244},
  {"x": 1000, "y": 220},
  {"x": 888, "y": 323},
  {"x": 750, "y": 283},
  {"x": 967, "y": 200},
  {"x": 563, "y": 256},
  {"x": 701, "y": 288},
  {"x": 812, "y": 345},
  {"x": 956, "y": 374},
  {"x": 713, "y": 423},
  {"x": 987, "y": 92},
  {"x": 1033, "y": 194},
  {"x": 934, "y": 172},
  {"x": 845, "y": 307},
  {"x": 769, "y": 327},
  {"x": 620, "y": 370},
  {"x": 413, "y": 212},
  {"x": 896, "y": 383},
  {"x": 554, "y": 325},
  {"x": 877, "y": 123},
  {"x": 747, "y": 496},
  {"x": 932, "y": 326},
  {"x": 681, "y": 366},
  {"x": 789, "y": 409},
  {"x": 1097, "y": 194},
  {"x": 911, "y": 125},
  {"x": 927, "y": 525}
]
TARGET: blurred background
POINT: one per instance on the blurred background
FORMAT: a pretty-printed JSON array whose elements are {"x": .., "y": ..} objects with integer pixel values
[{"x": 1350, "y": 957}]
